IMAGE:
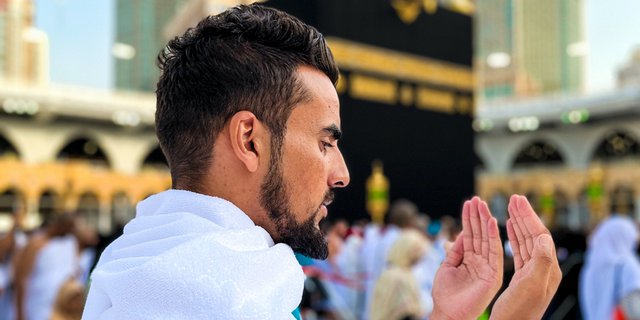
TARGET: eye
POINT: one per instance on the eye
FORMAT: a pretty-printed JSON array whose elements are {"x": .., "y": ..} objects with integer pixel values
[{"x": 326, "y": 145}]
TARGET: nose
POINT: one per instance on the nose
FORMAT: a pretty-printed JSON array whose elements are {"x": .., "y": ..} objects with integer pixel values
[{"x": 339, "y": 177}]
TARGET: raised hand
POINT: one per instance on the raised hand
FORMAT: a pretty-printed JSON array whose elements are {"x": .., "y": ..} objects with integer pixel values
[
  {"x": 537, "y": 273},
  {"x": 471, "y": 274}
]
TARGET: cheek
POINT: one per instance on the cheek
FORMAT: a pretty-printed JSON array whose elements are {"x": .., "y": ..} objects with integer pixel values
[
  {"x": 306, "y": 174},
  {"x": 309, "y": 173},
  {"x": 303, "y": 158}
]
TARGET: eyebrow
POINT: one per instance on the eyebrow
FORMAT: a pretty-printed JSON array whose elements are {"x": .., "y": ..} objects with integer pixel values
[{"x": 334, "y": 131}]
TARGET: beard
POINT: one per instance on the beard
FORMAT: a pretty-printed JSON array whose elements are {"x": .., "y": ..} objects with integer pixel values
[{"x": 305, "y": 237}]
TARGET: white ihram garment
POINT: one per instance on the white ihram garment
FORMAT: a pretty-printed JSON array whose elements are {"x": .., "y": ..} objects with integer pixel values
[
  {"x": 611, "y": 270},
  {"x": 55, "y": 263},
  {"x": 191, "y": 256},
  {"x": 388, "y": 237}
]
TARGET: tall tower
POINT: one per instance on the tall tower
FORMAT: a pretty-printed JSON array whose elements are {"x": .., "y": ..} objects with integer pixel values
[
  {"x": 526, "y": 48},
  {"x": 139, "y": 39},
  {"x": 24, "y": 50},
  {"x": 494, "y": 51},
  {"x": 3, "y": 37},
  {"x": 573, "y": 34}
]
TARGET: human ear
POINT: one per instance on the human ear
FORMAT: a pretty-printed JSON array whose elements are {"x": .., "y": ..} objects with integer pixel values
[{"x": 244, "y": 133}]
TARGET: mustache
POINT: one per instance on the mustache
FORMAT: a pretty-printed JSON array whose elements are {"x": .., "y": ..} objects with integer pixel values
[{"x": 328, "y": 197}]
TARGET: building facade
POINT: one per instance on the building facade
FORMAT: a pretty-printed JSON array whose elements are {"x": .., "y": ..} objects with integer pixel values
[
  {"x": 527, "y": 48},
  {"x": 576, "y": 157},
  {"x": 140, "y": 30},
  {"x": 24, "y": 50},
  {"x": 77, "y": 149}
]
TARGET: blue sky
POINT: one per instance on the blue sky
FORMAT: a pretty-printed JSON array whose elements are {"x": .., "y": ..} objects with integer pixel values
[
  {"x": 613, "y": 31},
  {"x": 81, "y": 33},
  {"x": 80, "y": 37}
]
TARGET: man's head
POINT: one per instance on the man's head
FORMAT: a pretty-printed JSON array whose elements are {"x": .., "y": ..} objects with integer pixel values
[
  {"x": 60, "y": 224},
  {"x": 340, "y": 228},
  {"x": 247, "y": 111},
  {"x": 403, "y": 213}
]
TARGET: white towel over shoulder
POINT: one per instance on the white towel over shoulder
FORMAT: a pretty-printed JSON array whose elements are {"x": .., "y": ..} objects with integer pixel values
[{"x": 191, "y": 256}]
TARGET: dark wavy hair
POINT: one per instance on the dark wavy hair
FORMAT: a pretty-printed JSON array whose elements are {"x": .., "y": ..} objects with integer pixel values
[{"x": 242, "y": 59}]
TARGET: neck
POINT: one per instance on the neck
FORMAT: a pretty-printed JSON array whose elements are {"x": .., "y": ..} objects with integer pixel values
[{"x": 245, "y": 196}]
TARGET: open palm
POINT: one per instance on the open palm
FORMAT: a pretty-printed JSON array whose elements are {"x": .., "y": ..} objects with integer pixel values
[
  {"x": 471, "y": 274},
  {"x": 537, "y": 273}
]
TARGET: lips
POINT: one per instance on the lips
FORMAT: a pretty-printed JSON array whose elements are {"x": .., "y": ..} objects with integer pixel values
[
  {"x": 320, "y": 215},
  {"x": 328, "y": 199}
]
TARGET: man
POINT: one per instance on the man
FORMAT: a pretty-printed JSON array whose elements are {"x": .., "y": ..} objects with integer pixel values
[
  {"x": 47, "y": 262},
  {"x": 403, "y": 215},
  {"x": 248, "y": 118},
  {"x": 438, "y": 233},
  {"x": 11, "y": 243}
]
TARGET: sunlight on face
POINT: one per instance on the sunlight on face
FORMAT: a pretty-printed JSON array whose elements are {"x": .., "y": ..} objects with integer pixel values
[{"x": 298, "y": 186}]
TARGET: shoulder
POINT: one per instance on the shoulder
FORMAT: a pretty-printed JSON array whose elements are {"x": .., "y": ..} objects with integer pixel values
[
  {"x": 206, "y": 276},
  {"x": 36, "y": 243}
]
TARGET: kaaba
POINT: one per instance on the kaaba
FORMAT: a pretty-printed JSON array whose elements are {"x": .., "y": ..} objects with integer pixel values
[{"x": 406, "y": 97}]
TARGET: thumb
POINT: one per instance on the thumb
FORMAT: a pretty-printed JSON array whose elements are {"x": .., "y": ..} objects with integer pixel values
[
  {"x": 455, "y": 252},
  {"x": 543, "y": 258},
  {"x": 544, "y": 248},
  {"x": 447, "y": 246}
]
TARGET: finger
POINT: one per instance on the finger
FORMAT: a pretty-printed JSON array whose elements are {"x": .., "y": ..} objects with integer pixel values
[
  {"x": 485, "y": 216},
  {"x": 496, "y": 255},
  {"x": 532, "y": 221},
  {"x": 512, "y": 205},
  {"x": 466, "y": 228},
  {"x": 448, "y": 245},
  {"x": 544, "y": 260},
  {"x": 544, "y": 246},
  {"x": 456, "y": 252},
  {"x": 515, "y": 223},
  {"x": 555, "y": 276},
  {"x": 476, "y": 229},
  {"x": 518, "y": 224},
  {"x": 515, "y": 245},
  {"x": 528, "y": 222}
]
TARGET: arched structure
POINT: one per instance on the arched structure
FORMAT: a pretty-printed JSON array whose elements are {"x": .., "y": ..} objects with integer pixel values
[
  {"x": 49, "y": 203},
  {"x": 83, "y": 149},
  {"x": 11, "y": 203},
  {"x": 7, "y": 148},
  {"x": 616, "y": 145},
  {"x": 622, "y": 200},
  {"x": 155, "y": 160},
  {"x": 89, "y": 209},
  {"x": 538, "y": 153}
]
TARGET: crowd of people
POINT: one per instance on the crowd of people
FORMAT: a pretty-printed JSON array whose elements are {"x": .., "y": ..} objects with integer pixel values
[
  {"x": 44, "y": 273},
  {"x": 372, "y": 271},
  {"x": 378, "y": 272}
]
